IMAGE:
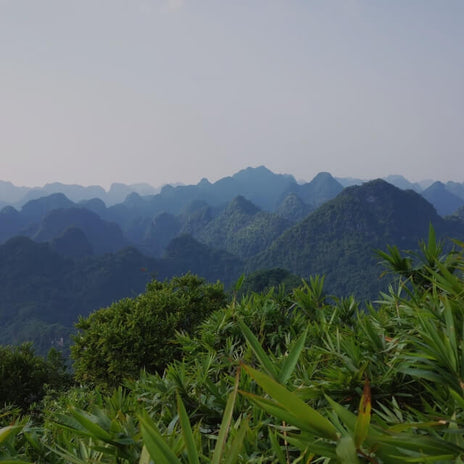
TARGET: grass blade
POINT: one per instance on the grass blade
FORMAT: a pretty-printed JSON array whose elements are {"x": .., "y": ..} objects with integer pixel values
[
  {"x": 263, "y": 358},
  {"x": 291, "y": 360},
  {"x": 155, "y": 444},
  {"x": 187, "y": 432},
  {"x": 363, "y": 420},
  {"x": 225, "y": 425},
  {"x": 233, "y": 453},
  {"x": 313, "y": 420}
]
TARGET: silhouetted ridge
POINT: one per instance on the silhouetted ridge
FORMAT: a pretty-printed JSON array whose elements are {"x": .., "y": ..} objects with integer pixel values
[
  {"x": 103, "y": 236},
  {"x": 323, "y": 187},
  {"x": 444, "y": 201},
  {"x": 35, "y": 210}
]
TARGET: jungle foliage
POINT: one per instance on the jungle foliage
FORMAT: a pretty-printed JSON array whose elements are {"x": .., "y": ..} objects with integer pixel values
[
  {"x": 138, "y": 333},
  {"x": 280, "y": 377}
]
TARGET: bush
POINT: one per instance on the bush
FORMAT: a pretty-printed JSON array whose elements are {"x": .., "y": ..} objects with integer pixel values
[
  {"x": 24, "y": 376},
  {"x": 138, "y": 333}
]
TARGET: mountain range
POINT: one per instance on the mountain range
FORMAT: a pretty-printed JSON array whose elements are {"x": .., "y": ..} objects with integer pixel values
[
  {"x": 62, "y": 257},
  {"x": 13, "y": 195}
]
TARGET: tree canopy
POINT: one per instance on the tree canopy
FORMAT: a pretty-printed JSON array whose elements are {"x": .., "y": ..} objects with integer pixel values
[{"x": 138, "y": 333}]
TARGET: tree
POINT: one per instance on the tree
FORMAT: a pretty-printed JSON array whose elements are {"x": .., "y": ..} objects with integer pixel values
[
  {"x": 24, "y": 375},
  {"x": 138, "y": 333}
]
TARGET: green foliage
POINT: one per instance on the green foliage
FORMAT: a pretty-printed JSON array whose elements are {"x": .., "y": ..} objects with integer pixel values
[
  {"x": 24, "y": 376},
  {"x": 115, "y": 343},
  {"x": 284, "y": 377},
  {"x": 11, "y": 449},
  {"x": 264, "y": 280}
]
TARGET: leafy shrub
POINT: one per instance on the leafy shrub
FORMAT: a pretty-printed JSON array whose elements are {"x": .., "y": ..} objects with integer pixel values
[
  {"x": 24, "y": 376},
  {"x": 138, "y": 333}
]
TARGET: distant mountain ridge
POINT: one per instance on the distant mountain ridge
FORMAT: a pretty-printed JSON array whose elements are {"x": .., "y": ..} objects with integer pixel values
[
  {"x": 258, "y": 185},
  {"x": 60, "y": 257},
  {"x": 13, "y": 195},
  {"x": 47, "y": 218},
  {"x": 150, "y": 222},
  {"x": 445, "y": 201}
]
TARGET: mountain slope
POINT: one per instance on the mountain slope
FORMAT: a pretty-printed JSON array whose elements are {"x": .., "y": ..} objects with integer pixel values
[
  {"x": 185, "y": 254},
  {"x": 42, "y": 293},
  {"x": 104, "y": 237},
  {"x": 444, "y": 201},
  {"x": 340, "y": 238},
  {"x": 259, "y": 185},
  {"x": 293, "y": 208},
  {"x": 242, "y": 229},
  {"x": 321, "y": 188}
]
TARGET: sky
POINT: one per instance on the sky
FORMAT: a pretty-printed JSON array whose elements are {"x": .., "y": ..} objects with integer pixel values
[{"x": 161, "y": 91}]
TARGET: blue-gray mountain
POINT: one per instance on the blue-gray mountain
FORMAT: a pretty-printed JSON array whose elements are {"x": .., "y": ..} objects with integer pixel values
[{"x": 251, "y": 221}]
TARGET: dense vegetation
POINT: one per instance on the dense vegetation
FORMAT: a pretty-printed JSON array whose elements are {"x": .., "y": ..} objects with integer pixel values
[
  {"x": 75, "y": 257},
  {"x": 25, "y": 377},
  {"x": 115, "y": 343},
  {"x": 276, "y": 376}
]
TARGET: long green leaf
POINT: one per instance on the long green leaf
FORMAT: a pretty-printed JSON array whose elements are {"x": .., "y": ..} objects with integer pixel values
[
  {"x": 5, "y": 432},
  {"x": 187, "y": 432},
  {"x": 346, "y": 451},
  {"x": 225, "y": 424},
  {"x": 278, "y": 452},
  {"x": 233, "y": 452},
  {"x": 314, "y": 446},
  {"x": 291, "y": 360},
  {"x": 89, "y": 423},
  {"x": 427, "y": 445},
  {"x": 157, "y": 447},
  {"x": 144, "y": 456},
  {"x": 364, "y": 416},
  {"x": 69, "y": 456},
  {"x": 279, "y": 411},
  {"x": 263, "y": 358},
  {"x": 312, "y": 419}
]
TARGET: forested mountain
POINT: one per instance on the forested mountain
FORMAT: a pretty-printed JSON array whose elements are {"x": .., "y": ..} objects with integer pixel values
[
  {"x": 185, "y": 254},
  {"x": 340, "y": 238},
  {"x": 26, "y": 220},
  {"x": 444, "y": 201},
  {"x": 103, "y": 236},
  {"x": 159, "y": 232},
  {"x": 321, "y": 189},
  {"x": 460, "y": 213},
  {"x": 446, "y": 198},
  {"x": 242, "y": 229},
  {"x": 76, "y": 257},
  {"x": 48, "y": 218},
  {"x": 293, "y": 208},
  {"x": 42, "y": 293}
]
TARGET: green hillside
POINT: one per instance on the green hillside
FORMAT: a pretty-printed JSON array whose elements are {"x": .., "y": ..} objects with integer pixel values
[
  {"x": 242, "y": 229},
  {"x": 340, "y": 238}
]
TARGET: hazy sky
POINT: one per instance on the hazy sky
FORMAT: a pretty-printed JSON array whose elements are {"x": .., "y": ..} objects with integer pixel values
[{"x": 101, "y": 91}]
